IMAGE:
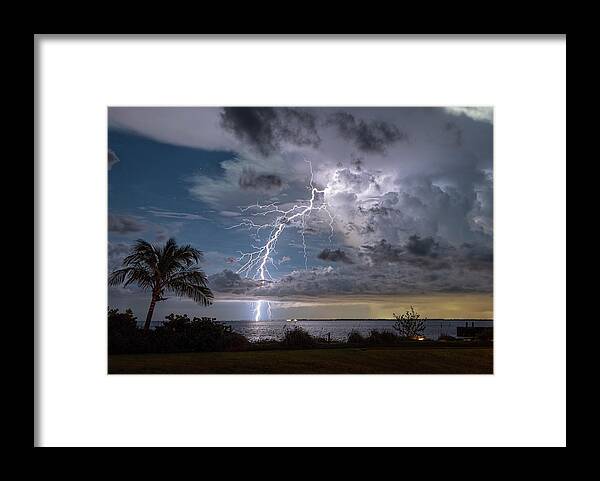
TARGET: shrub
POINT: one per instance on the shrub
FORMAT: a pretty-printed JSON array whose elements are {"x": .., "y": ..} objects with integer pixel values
[
  {"x": 198, "y": 334},
  {"x": 355, "y": 337},
  {"x": 298, "y": 337},
  {"x": 382, "y": 338},
  {"x": 486, "y": 335},
  {"x": 177, "y": 334},
  {"x": 123, "y": 322},
  {"x": 122, "y": 331}
]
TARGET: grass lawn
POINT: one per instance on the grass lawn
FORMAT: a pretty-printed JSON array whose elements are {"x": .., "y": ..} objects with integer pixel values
[{"x": 390, "y": 360}]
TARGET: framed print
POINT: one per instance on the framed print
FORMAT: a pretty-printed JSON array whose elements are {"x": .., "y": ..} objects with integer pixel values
[{"x": 284, "y": 240}]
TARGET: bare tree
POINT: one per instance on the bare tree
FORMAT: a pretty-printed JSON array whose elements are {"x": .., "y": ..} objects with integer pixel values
[{"x": 409, "y": 324}]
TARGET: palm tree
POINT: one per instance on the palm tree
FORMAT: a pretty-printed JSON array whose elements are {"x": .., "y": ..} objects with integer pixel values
[{"x": 162, "y": 269}]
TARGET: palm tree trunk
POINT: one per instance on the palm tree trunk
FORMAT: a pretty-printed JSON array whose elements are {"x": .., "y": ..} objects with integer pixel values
[{"x": 150, "y": 312}]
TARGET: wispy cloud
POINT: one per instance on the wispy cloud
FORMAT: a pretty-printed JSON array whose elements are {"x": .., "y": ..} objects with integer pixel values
[
  {"x": 125, "y": 224},
  {"x": 173, "y": 215},
  {"x": 229, "y": 213}
]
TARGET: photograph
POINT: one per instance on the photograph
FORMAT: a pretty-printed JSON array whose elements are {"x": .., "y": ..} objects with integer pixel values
[{"x": 300, "y": 240}]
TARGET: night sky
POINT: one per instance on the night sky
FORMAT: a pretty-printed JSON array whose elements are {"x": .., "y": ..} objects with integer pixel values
[{"x": 402, "y": 210}]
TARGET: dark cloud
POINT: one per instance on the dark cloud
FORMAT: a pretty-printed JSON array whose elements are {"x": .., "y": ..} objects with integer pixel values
[
  {"x": 249, "y": 179},
  {"x": 420, "y": 247},
  {"x": 381, "y": 268},
  {"x": 252, "y": 125},
  {"x": 356, "y": 162},
  {"x": 373, "y": 136},
  {"x": 382, "y": 252},
  {"x": 414, "y": 275},
  {"x": 230, "y": 282},
  {"x": 478, "y": 252},
  {"x": 265, "y": 128},
  {"x": 124, "y": 224},
  {"x": 298, "y": 127},
  {"x": 112, "y": 159},
  {"x": 127, "y": 224},
  {"x": 336, "y": 255}
]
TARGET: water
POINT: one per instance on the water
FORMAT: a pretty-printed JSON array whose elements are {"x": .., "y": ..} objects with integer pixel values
[{"x": 339, "y": 329}]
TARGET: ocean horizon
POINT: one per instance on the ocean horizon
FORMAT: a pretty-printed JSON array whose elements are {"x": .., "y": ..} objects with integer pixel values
[{"x": 339, "y": 329}]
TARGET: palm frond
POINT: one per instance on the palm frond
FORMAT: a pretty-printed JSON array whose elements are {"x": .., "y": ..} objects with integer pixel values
[
  {"x": 142, "y": 252},
  {"x": 192, "y": 283},
  {"x": 189, "y": 254},
  {"x": 142, "y": 277},
  {"x": 117, "y": 277},
  {"x": 130, "y": 275},
  {"x": 198, "y": 293},
  {"x": 165, "y": 268},
  {"x": 188, "y": 274},
  {"x": 173, "y": 258}
]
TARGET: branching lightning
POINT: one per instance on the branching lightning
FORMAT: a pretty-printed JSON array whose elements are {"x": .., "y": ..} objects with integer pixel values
[{"x": 256, "y": 263}]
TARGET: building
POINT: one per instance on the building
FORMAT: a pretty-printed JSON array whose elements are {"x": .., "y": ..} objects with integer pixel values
[{"x": 475, "y": 332}]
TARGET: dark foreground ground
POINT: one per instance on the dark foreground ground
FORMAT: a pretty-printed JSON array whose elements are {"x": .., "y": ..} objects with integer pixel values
[{"x": 384, "y": 360}]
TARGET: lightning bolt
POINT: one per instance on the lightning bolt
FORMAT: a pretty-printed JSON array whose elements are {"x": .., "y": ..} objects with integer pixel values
[{"x": 256, "y": 263}]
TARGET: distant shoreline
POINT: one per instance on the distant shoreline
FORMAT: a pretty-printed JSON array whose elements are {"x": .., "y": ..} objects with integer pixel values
[{"x": 359, "y": 319}]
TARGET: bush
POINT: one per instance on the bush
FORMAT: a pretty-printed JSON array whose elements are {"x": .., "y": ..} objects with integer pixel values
[
  {"x": 355, "y": 337},
  {"x": 486, "y": 335},
  {"x": 298, "y": 337},
  {"x": 177, "y": 334},
  {"x": 123, "y": 322},
  {"x": 382, "y": 338},
  {"x": 122, "y": 331}
]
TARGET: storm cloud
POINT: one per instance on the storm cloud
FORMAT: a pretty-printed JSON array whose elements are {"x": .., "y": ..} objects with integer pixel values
[
  {"x": 420, "y": 247},
  {"x": 230, "y": 282},
  {"x": 411, "y": 277},
  {"x": 130, "y": 226},
  {"x": 382, "y": 252},
  {"x": 249, "y": 179},
  {"x": 334, "y": 255},
  {"x": 266, "y": 128},
  {"x": 373, "y": 136}
]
